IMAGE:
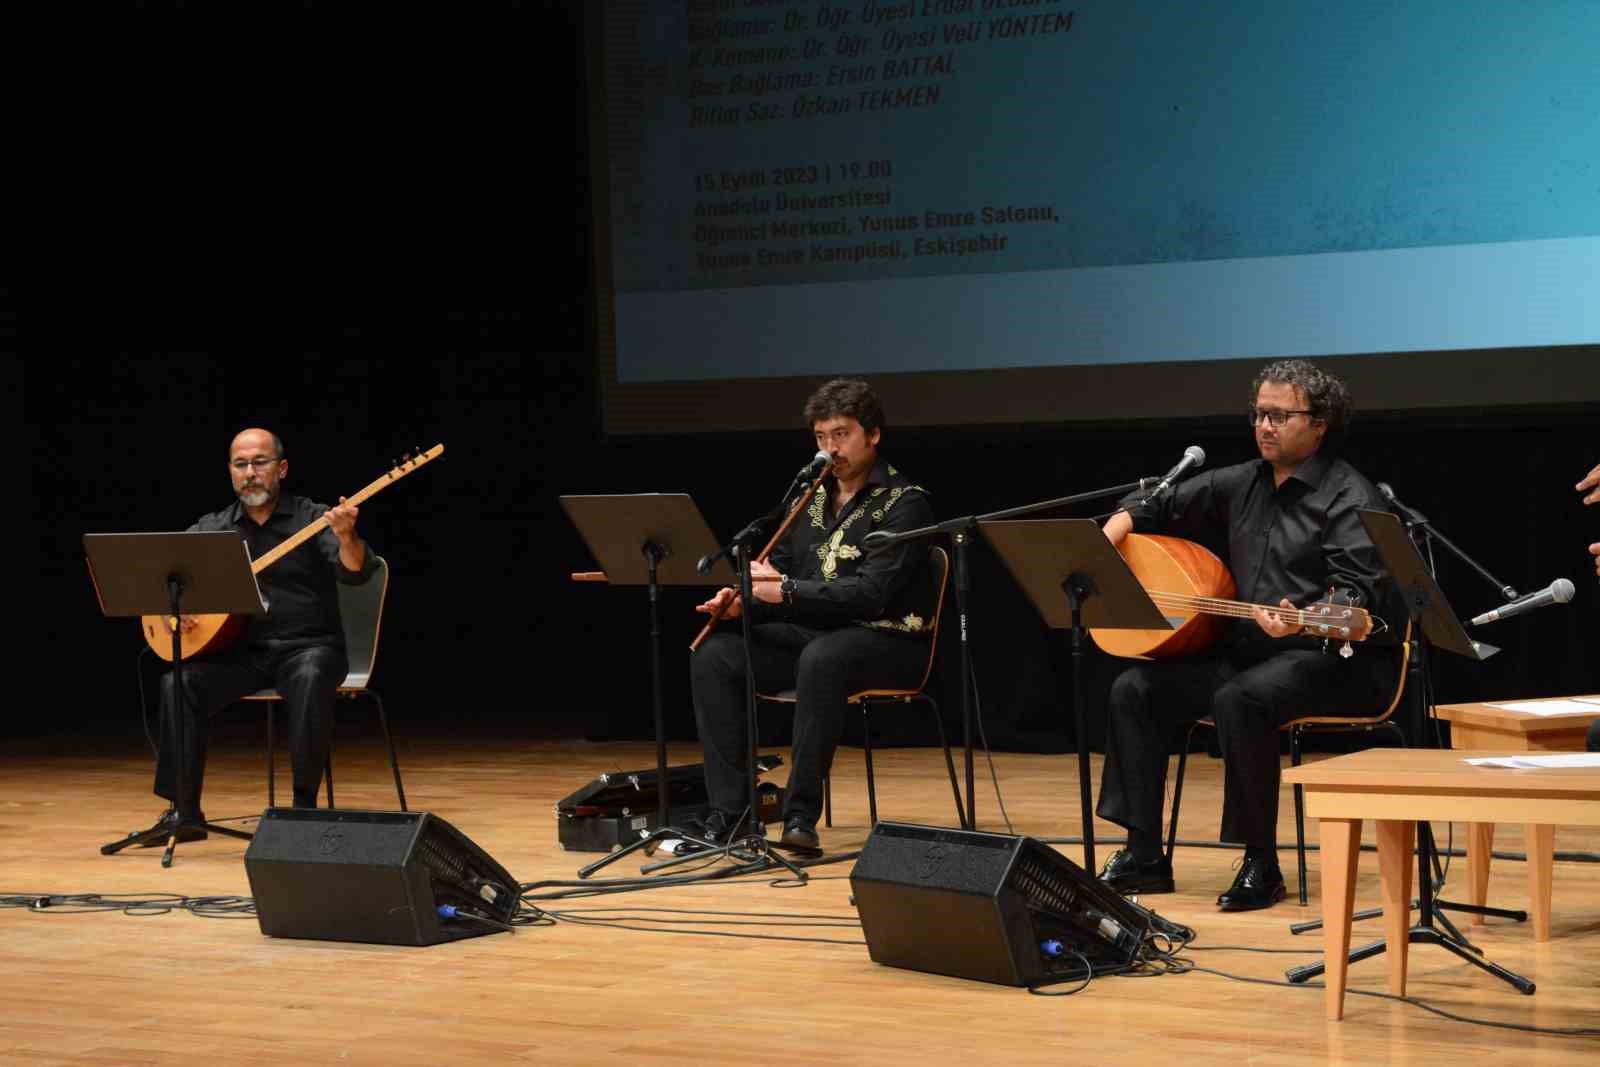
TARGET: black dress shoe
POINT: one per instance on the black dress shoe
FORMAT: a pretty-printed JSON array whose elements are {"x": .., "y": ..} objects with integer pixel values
[
  {"x": 1259, "y": 884},
  {"x": 168, "y": 820},
  {"x": 1126, "y": 875},
  {"x": 798, "y": 833},
  {"x": 719, "y": 828}
]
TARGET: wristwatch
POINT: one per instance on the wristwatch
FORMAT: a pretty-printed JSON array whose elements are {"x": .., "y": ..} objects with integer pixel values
[{"x": 786, "y": 587}]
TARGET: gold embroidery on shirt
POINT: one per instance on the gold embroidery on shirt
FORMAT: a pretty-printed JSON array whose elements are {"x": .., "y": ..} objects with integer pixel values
[
  {"x": 832, "y": 551},
  {"x": 911, "y": 624},
  {"x": 818, "y": 508},
  {"x": 877, "y": 516}
]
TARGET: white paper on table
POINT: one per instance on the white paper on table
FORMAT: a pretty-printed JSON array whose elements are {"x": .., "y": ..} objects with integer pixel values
[
  {"x": 1587, "y": 700},
  {"x": 1559, "y": 706},
  {"x": 1545, "y": 761}
]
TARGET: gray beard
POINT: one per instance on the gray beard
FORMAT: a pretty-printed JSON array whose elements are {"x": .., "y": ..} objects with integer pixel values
[{"x": 254, "y": 498}]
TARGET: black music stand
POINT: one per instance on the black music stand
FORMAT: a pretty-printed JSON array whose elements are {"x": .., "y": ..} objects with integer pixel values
[
  {"x": 753, "y": 849},
  {"x": 173, "y": 574},
  {"x": 1076, "y": 579},
  {"x": 648, "y": 539},
  {"x": 1433, "y": 623}
]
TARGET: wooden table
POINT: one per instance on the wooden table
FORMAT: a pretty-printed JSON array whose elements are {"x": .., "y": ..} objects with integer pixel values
[
  {"x": 1396, "y": 788},
  {"x": 1483, "y": 726}
]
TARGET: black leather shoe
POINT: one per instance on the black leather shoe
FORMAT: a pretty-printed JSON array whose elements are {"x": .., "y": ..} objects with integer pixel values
[
  {"x": 1259, "y": 884},
  {"x": 719, "y": 828},
  {"x": 798, "y": 833},
  {"x": 168, "y": 820},
  {"x": 1126, "y": 875}
]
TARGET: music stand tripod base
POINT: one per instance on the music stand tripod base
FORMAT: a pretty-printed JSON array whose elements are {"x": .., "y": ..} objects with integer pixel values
[
  {"x": 650, "y": 540},
  {"x": 1434, "y": 624},
  {"x": 173, "y": 574}
]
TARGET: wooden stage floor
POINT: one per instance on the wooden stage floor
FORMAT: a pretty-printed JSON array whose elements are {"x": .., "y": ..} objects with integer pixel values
[{"x": 111, "y": 988}]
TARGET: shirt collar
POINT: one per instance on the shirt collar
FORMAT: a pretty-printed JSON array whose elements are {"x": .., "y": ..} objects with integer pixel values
[
  {"x": 881, "y": 474},
  {"x": 236, "y": 514},
  {"x": 1310, "y": 473}
]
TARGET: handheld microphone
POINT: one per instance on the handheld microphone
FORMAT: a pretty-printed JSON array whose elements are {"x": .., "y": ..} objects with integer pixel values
[
  {"x": 814, "y": 468},
  {"x": 1559, "y": 592},
  {"x": 1193, "y": 456}
]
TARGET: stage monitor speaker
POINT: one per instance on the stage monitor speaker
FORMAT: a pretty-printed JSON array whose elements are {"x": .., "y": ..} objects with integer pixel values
[
  {"x": 992, "y": 907},
  {"x": 373, "y": 876}
]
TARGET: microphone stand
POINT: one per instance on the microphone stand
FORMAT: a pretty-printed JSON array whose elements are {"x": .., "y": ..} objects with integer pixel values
[
  {"x": 1424, "y": 534},
  {"x": 961, "y": 531},
  {"x": 741, "y": 549},
  {"x": 1419, "y": 684}
]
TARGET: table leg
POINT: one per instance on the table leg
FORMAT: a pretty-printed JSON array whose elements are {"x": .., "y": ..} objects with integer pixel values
[
  {"x": 1396, "y": 844},
  {"x": 1480, "y": 846},
  {"x": 1541, "y": 846},
  {"x": 1341, "y": 848}
]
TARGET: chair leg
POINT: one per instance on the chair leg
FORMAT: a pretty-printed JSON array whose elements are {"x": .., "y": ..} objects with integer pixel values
[
  {"x": 272, "y": 778},
  {"x": 394, "y": 762},
  {"x": 327, "y": 768},
  {"x": 827, "y": 800},
  {"x": 866, "y": 744},
  {"x": 1399, "y": 734},
  {"x": 1177, "y": 791},
  {"x": 949, "y": 762},
  {"x": 1299, "y": 814}
]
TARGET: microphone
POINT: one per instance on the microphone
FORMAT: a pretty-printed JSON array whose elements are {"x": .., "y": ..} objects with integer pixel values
[
  {"x": 1559, "y": 592},
  {"x": 818, "y": 462},
  {"x": 1193, "y": 456},
  {"x": 814, "y": 468},
  {"x": 1410, "y": 515}
]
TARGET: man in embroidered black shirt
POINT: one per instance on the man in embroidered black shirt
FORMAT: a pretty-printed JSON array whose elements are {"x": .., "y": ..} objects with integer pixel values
[
  {"x": 832, "y": 620},
  {"x": 1287, "y": 527},
  {"x": 296, "y": 648}
]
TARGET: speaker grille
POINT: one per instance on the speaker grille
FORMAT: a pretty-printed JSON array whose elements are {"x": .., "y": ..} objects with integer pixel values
[
  {"x": 1042, "y": 889},
  {"x": 442, "y": 861}
]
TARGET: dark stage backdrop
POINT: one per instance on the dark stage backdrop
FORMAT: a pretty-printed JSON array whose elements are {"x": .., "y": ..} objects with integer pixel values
[
  {"x": 483, "y": 624},
  {"x": 391, "y": 249}
]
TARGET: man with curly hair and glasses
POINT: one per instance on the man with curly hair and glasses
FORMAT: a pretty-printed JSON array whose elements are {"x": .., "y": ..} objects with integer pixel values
[{"x": 1286, "y": 525}]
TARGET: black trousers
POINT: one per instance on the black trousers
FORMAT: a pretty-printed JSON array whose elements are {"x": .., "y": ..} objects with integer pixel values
[
  {"x": 823, "y": 667},
  {"x": 1153, "y": 704},
  {"x": 307, "y": 678}
]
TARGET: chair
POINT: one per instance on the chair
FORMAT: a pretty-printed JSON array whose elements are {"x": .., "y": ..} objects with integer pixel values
[
  {"x": 867, "y": 698},
  {"x": 1297, "y": 728},
  {"x": 361, "y": 612}
]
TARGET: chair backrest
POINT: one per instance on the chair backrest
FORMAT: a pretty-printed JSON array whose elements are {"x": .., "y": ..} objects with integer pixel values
[
  {"x": 1394, "y": 702},
  {"x": 939, "y": 561},
  {"x": 361, "y": 612}
]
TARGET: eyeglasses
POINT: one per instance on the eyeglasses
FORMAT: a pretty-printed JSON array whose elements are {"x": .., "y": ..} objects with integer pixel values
[
  {"x": 1272, "y": 415},
  {"x": 260, "y": 463}
]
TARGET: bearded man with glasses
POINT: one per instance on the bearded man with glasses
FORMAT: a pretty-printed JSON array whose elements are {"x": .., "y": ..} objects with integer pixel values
[
  {"x": 296, "y": 648},
  {"x": 1286, "y": 526}
]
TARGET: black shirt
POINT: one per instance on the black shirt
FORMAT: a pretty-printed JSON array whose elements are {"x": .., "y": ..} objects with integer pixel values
[
  {"x": 302, "y": 599},
  {"x": 1297, "y": 540},
  {"x": 836, "y": 581}
]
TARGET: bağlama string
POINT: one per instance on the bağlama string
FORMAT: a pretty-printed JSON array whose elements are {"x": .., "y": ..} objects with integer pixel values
[{"x": 1216, "y": 606}]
